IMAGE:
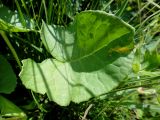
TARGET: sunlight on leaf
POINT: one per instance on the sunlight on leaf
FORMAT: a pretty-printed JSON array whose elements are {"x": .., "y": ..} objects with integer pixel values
[
  {"x": 97, "y": 46},
  {"x": 10, "y": 21},
  {"x": 64, "y": 84},
  {"x": 89, "y": 32}
]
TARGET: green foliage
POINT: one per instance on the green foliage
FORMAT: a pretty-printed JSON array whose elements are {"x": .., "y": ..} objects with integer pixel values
[
  {"x": 8, "y": 109},
  {"x": 92, "y": 73},
  {"x": 7, "y": 77},
  {"x": 11, "y": 22},
  {"x": 8, "y": 82},
  {"x": 73, "y": 85},
  {"x": 80, "y": 50},
  {"x": 88, "y": 33}
]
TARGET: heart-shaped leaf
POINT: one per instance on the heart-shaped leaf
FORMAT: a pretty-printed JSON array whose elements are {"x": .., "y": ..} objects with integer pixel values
[{"x": 96, "y": 45}]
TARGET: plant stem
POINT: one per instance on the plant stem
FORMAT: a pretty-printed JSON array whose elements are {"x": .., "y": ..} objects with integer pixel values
[
  {"x": 45, "y": 10},
  {"x": 130, "y": 87},
  {"x": 50, "y": 9},
  {"x": 3, "y": 34},
  {"x": 25, "y": 7},
  {"x": 39, "y": 106},
  {"x": 122, "y": 9},
  {"x": 21, "y": 14},
  {"x": 86, "y": 112},
  {"x": 30, "y": 44}
]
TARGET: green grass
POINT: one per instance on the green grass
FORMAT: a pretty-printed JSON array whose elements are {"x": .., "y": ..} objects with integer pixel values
[{"x": 122, "y": 103}]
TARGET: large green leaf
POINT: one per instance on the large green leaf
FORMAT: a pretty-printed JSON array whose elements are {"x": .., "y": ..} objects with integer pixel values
[
  {"x": 7, "y": 77},
  {"x": 98, "y": 57},
  {"x": 13, "y": 22},
  {"x": 89, "y": 32},
  {"x": 65, "y": 82}
]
